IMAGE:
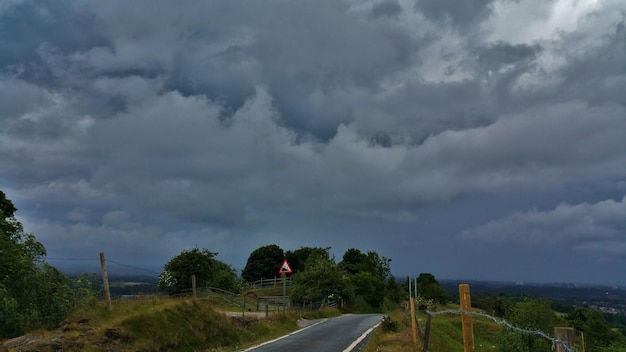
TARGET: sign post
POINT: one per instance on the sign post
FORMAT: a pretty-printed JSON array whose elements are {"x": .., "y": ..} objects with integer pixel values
[{"x": 284, "y": 270}]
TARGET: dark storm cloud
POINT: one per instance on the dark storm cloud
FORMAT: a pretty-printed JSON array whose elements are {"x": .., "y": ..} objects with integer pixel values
[
  {"x": 460, "y": 14},
  {"x": 26, "y": 27},
  {"x": 495, "y": 55},
  {"x": 216, "y": 123},
  {"x": 390, "y": 8}
]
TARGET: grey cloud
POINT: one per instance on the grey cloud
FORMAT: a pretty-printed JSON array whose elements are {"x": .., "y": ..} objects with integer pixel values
[
  {"x": 594, "y": 228},
  {"x": 62, "y": 24},
  {"x": 391, "y": 8},
  {"x": 462, "y": 14},
  {"x": 495, "y": 55}
]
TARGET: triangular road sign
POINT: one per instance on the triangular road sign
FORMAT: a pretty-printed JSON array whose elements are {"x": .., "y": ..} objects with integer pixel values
[{"x": 285, "y": 268}]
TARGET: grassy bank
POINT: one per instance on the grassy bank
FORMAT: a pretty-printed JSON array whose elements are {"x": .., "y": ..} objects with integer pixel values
[{"x": 156, "y": 325}]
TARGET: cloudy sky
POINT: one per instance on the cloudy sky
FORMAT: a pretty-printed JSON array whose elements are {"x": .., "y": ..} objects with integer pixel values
[{"x": 470, "y": 139}]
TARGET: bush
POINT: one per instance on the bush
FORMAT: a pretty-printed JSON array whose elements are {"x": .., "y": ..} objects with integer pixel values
[{"x": 389, "y": 325}]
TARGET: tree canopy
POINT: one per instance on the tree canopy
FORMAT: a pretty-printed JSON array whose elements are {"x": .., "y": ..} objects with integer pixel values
[
  {"x": 429, "y": 288},
  {"x": 209, "y": 272},
  {"x": 298, "y": 258},
  {"x": 263, "y": 263}
]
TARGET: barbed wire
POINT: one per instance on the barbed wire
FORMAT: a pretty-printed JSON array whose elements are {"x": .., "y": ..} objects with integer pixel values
[
  {"x": 506, "y": 324},
  {"x": 108, "y": 261},
  {"x": 132, "y": 266}
]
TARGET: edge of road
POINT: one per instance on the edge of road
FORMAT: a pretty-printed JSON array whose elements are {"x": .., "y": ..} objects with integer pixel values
[{"x": 284, "y": 336}]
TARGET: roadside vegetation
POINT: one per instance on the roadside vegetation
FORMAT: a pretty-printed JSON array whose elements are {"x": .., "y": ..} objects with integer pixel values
[{"x": 155, "y": 325}]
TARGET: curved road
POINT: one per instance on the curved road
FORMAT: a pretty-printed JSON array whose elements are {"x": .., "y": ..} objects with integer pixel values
[{"x": 332, "y": 335}]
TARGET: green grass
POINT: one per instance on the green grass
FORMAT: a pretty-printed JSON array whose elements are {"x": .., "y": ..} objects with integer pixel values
[
  {"x": 446, "y": 334},
  {"x": 159, "y": 325}
]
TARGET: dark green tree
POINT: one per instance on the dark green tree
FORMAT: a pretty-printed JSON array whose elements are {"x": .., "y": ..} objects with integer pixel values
[
  {"x": 598, "y": 334},
  {"x": 263, "y": 263},
  {"x": 210, "y": 272},
  {"x": 320, "y": 280},
  {"x": 429, "y": 288},
  {"x": 298, "y": 258},
  {"x": 369, "y": 275},
  {"x": 531, "y": 314},
  {"x": 353, "y": 261},
  {"x": 497, "y": 305},
  {"x": 33, "y": 294}
]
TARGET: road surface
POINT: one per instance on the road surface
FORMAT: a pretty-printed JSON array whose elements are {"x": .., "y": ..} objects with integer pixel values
[{"x": 332, "y": 335}]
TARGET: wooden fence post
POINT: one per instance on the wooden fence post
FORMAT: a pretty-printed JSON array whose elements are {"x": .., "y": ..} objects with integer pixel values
[
  {"x": 563, "y": 334},
  {"x": 105, "y": 282},
  {"x": 466, "y": 319},
  {"x": 413, "y": 320}
]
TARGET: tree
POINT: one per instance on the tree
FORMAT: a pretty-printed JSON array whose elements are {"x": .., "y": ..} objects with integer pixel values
[
  {"x": 531, "y": 314},
  {"x": 370, "y": 277},
  {"x": 598, "y": 333},
  {"x": 320, "y": 279},
  {"x": 209, "y": 272},
  {"x": 298, "y": 258},
  {"x": 353, "y": 261},
  {"x": 429, "y": 288},
  {"x": 33, "y": 294},
  {"x": 263, "y": 262}
]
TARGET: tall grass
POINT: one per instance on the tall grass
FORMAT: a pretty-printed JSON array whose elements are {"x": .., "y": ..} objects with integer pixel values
[{"x": 158, "y": 325}]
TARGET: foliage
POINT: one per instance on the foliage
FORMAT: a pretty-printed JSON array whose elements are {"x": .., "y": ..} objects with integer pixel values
[
  {"x": 159, "y": 325},
  {"x": 86, "y": 289},
  {"x": 298, "y": 258},
  {"x": 598, "y": 334},
  {"x": 531, "y": 314},
  {"x": 263, "y": 263},
  {"x": 369, "y": 287},
  {"x": 430, "y": 289},
  {"x": 210, "y": 272},
  {"x": 326, "y": 312},
  {"x": 33, "y": 294},
  {"x": 389, "y": 325},
  {"x": 496, "y": 305},
  {"x": 354, "y": 261},
  {"x": 370, "y": 276},
  {"x": 320, "y": 279}
]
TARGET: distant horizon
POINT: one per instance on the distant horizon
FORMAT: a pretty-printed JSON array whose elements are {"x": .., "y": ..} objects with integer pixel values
[{"x": 153, "y": 274}]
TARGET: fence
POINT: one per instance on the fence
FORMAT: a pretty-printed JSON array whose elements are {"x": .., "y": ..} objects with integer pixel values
[
  {"x": 269, "y": 283},
  {"x": 468, "y": 335}
]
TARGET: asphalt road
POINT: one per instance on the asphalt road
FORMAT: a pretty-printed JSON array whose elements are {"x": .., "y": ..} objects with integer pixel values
[{"x": 332, "y": 335}]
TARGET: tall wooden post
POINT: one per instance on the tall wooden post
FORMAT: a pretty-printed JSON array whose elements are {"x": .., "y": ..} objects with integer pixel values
[
  {"x": 466, "y": 319},
  {"x": 563, "y": 334},
  {"x": 105, "y": 282},
  {"x": 413, "y": 319}
]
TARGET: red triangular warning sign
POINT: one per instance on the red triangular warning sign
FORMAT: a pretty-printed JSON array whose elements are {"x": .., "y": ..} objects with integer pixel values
[{"x": 285, "y": 268}]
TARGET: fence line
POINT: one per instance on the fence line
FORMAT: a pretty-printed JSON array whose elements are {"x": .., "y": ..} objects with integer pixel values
[
  {"x": 505, "y": 324},
  {"x": 266, "y": 283}
]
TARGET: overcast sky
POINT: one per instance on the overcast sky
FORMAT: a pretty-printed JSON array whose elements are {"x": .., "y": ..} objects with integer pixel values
[{"x": 468, "y": 139}]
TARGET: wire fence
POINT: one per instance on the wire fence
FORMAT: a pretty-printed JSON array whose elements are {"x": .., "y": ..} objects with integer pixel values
[{"x": 504, "y": 323}]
